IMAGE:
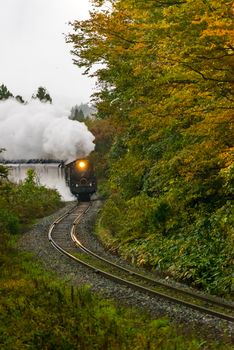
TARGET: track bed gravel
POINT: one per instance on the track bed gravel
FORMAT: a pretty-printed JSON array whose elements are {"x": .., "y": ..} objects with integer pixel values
[{"x": 36, "y": 241}]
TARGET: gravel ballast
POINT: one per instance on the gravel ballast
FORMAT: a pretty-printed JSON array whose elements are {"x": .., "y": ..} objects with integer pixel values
[{"x": 36, "y": 241}]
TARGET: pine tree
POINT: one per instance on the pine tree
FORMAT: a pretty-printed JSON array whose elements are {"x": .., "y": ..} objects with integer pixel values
[
  {"x": 43, "y": 95},
  {"x": 4, "y": 92}
]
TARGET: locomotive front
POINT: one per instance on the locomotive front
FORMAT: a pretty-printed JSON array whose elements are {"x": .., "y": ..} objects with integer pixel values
[{"x": 80, "y": 178}]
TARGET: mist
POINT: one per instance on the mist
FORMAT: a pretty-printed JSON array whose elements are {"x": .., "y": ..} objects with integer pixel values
[{"x": 41, "y": 131}]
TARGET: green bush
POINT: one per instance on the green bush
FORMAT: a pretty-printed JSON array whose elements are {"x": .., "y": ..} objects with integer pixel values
[
  {"x": 23, "y": 203},
  {"x": 196, "y": 250},
  {"x": 9, "y": 222},
  {"x": 48, "y": 314}
]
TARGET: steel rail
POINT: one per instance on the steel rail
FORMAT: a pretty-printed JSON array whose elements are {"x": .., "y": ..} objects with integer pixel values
[
  {"x": 149, "y": 279},
  {"x": 119, "y": 280}
]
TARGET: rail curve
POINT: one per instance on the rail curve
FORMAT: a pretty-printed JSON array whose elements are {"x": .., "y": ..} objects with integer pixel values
[{"x": 64, "y": 229}]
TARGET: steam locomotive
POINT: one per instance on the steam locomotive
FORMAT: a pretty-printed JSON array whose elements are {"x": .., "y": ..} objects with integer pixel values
[{"x": 80, "y": 178}]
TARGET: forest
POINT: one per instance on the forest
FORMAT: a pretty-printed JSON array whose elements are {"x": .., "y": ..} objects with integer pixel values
[
  {"x": 164, "y": 160},
  {"x": 164, "y": 133}
]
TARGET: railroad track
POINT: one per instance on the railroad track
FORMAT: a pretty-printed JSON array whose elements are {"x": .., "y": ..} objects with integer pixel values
[{"x": 62, "y": 235}]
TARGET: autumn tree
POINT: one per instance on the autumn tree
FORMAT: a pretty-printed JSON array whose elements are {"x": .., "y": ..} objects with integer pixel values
[{"x": 166, "y": 77}]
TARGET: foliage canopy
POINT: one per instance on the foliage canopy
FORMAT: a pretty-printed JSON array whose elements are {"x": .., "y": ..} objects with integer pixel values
[{"x": 166, "y": 84}]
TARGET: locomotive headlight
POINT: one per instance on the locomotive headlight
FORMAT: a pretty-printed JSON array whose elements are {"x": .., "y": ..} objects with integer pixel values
[{"x": 82, "y": 165}]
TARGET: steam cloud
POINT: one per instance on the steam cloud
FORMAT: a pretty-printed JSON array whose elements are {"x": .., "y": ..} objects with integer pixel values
[{"x": 41, "y": 131}]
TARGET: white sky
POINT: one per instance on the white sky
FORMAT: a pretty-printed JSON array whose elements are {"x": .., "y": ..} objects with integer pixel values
[{"x": 33, "y": 51}]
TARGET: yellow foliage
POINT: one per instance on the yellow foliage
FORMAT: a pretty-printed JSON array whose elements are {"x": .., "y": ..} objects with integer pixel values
[{"x": 11, "y": 284}]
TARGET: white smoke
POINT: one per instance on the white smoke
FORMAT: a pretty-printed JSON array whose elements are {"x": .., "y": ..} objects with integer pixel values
[{"x": 41, "y": 131}]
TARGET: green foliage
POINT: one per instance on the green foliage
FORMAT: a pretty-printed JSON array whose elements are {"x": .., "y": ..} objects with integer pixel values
[
  {"x": 3, "y": 172},
  {"x": 23, "y": 203},
  {"x": 147, "y": 235},
  {"x": 4, "y": 92},
  {"x": 166, "y": 86},
  {"x": 9, "y": 222},
  {"x": 49, "y": 314},
  {"x": 42, "y": 95},
  {"x": 104, "y": 133}
]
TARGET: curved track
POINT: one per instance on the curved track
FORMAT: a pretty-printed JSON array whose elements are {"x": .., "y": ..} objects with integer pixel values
[{"x": 62, "y": 235}]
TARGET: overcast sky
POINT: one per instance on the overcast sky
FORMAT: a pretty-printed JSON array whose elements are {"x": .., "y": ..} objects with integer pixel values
[{"x": 33, "y": 51}]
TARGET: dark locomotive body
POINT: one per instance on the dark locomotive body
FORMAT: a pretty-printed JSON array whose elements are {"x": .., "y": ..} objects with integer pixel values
[{"x": 79, "y": 176}]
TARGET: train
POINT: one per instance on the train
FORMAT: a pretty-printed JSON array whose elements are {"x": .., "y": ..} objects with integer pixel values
[{"x": 80, "y": 178}]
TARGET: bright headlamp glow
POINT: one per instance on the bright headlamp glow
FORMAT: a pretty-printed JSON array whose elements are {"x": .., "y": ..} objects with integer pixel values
[{"x": 81, "y": 165}]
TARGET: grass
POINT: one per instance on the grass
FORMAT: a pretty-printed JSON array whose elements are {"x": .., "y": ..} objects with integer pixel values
[{"x": 38, "y": 311}]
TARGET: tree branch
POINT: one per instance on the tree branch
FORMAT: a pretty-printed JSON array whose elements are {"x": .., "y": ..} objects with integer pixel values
[{"x": 208, "y": 78}]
